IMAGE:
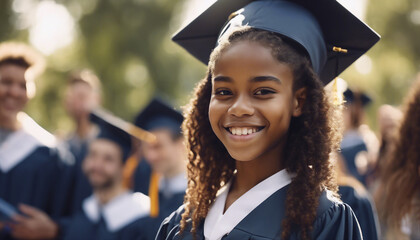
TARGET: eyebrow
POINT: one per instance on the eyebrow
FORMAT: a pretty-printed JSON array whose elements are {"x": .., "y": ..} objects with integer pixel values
[
  {"x": 254, "y": 79},
  {"x": 265, "y": 78},
  {"x": 222, "y": 79}
]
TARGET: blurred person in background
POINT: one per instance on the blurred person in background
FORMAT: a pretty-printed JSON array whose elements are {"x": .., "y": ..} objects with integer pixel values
[
  {"x": 112, "y": 212},
  {"x": 389, "y": 119},
  {"x": 167, "y": 158},
  {"x": 359, "y": 145},
  {"x": 83, "y": 93},
  {"x": 30, "y": 162},
  {"x": 399, "y": 197},
  {"x": 358, "y": 198}
]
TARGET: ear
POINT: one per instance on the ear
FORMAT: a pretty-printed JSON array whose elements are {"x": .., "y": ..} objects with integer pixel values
[{"x": 298, "y": 101}]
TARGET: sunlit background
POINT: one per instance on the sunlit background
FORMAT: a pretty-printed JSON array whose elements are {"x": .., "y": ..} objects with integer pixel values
[{"x": 127, "y": 43}]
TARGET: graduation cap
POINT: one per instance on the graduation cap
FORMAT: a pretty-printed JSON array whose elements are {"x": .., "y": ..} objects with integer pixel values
[
  {"x": 356, "y": 97},
  {"x": 332, "y": 36},
  {"x": 119, "y": 131},
  {"x": 158, "y": 114}
]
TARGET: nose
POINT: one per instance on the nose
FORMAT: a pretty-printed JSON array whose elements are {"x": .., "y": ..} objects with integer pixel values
[{"x": 242, "y": 106}]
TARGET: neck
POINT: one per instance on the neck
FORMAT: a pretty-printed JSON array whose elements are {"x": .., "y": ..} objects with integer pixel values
[
  {"x": 250, "y": 173},
  {"x": 9, "y": 123},
  {"x": 83, "y": 127},
  {"x": 106, "y": 195}
]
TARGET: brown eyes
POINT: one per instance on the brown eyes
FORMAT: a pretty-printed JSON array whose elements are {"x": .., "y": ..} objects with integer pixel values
[
  {"x": 258, "y": 92},
  {"x": 223, "y": 92},
  {"x": 264, "y": 92}
]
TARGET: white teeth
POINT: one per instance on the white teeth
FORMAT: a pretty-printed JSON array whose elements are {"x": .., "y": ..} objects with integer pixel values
[{"x": 242, "y": 131}]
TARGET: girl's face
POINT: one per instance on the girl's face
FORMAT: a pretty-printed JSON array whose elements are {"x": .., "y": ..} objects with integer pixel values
[{"x": 252, "y": 101}]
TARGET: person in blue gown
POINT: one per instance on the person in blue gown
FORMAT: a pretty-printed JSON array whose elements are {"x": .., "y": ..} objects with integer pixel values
[
  {"x": 166, "y": 157},
  {"x": 260, "y": 128},
  {"x": 111, "y": 212},
  {"x": 358, "y": 198},
  {"x": 31, "y": 164},
  {"x": 353, "y": 146},
  {"x": 83, "y": 94}
]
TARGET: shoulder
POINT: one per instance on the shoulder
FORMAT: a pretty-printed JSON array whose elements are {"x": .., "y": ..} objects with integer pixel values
[{"x": 335, "y": 219}]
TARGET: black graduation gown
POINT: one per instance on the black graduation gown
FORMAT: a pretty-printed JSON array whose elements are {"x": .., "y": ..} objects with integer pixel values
[
  {"x": 333, "y": 221},
  {"x": 349, "y": 149},
  {"x": 81, "y": 186},
  {"x": 141, "y": 178},
  {"x": 363, "y": 209},
  {"x": 37, "y": 181},
  {"x": 81, "y": 227},
  {"x": 167, "y": 205}
]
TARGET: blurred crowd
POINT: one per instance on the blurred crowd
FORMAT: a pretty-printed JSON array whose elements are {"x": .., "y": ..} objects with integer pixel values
[{"x": 112, "y": 179}]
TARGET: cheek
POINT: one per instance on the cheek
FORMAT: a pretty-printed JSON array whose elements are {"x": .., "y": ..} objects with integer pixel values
[{"x": 216, "y": 112}]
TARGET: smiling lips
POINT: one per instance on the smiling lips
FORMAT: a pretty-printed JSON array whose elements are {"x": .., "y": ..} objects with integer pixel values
[{"x": 239, "y": 131}]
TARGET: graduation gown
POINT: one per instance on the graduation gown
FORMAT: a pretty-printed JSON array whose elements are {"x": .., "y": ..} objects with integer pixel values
[
  {"x": 141, "y": 178},
  {"x": 364, "y": 210},
  {"x": 171, "y": 197},
  {"x": 259, "y": 213},
  {"x": 31, "y": 168},
  {"x": 352, "y": 145},
  {"x": 120, "y": 219},
  {"x": 81, "y": 186}
]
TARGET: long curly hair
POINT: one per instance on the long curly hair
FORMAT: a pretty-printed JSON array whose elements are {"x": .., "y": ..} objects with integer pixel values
[
  {"x": 311, "y": 138},
  {"x": 401, "y": 177}
]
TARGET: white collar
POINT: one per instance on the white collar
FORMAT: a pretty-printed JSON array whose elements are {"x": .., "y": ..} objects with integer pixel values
[
  {"x": 120, "y": 211},
  {"x": 23, "y": 142},
  {"x": 170, "y": 186},
  {"x": 217, "y": 224}
]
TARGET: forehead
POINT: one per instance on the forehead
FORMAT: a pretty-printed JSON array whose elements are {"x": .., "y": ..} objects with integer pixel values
[
  {"x": 249, "y": 58},
  {"x": 12, "y": 70},
  {"x": 104, "y": 146}
]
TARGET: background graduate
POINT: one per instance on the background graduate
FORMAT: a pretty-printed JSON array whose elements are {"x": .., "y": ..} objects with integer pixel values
[
  {"x": 359, "y": 199},
  {"x": 83, "y": 94},
  {"x": 260, "y": 128},
  {"x": 30, "y": 163},
  {"x": 112, "y": 212},
  {"x": 167, "y": 157},
  {"x": 357, "y": 149}
]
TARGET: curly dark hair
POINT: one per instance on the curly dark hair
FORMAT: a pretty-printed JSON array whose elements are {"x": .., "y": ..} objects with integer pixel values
[
  {"x": 311, "y": 138},
  {"x": 400, "y": 179}
]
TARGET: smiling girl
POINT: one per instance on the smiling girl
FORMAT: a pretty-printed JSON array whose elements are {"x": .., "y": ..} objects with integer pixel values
[{"x": 260, "y": 131}]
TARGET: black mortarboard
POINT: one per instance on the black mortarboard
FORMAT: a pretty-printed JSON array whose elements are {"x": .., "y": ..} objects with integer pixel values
[
  {"x": 332, "y": 36},
  {"x": 119, "y": 131},
  {"x": 158, "y": 114},
  {"x": 113, "y": 133},
  {"x": 356, "y": 96}
]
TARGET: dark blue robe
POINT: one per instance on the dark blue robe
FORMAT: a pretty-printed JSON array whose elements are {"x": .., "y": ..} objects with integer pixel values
[
  {"x": 364, "y": 210},
  {"x": 141, "y": 178},
  {"x": 83, "y": 227},
  {"x": 333, "y": 221},
  {"x": 352, "y": 145},
  {"x": 81, "y": 186},
  {"x": 38, "y": 181},
  {"x": 167, "y": 205}
]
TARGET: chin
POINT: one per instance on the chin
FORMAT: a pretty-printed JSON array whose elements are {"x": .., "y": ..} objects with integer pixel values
[{"x": 243, "y": 156}]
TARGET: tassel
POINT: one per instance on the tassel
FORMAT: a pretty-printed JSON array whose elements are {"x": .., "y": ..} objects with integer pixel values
[{"x": 154, "y": 195}]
